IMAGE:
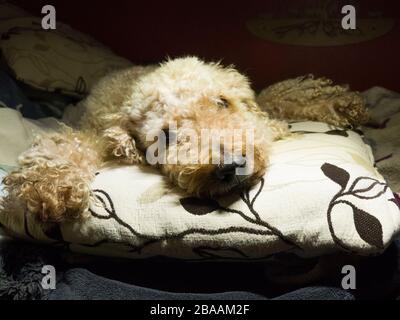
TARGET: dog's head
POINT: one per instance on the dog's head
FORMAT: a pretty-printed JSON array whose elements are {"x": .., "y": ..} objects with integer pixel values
[{"x": 200, "y": 124}]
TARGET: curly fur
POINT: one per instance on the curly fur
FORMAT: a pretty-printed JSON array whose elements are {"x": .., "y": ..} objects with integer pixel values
[
  {"x": 127, "y": 106},
  {"x": 307, "y": 98}
]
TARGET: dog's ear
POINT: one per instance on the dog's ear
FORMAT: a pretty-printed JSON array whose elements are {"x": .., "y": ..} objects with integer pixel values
[
  {"x": 314, "y": 99},
  {"x": 279, "y": 128},
  {"x": 119, "y": 145}
]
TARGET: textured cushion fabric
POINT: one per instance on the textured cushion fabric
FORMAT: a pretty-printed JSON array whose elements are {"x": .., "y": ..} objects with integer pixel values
[
  {"x": 383, "y": 132},
  {"x": 16, "y": 135},
  {"x": 321, "y": 194},
  {"x": 63, "y": 60}
]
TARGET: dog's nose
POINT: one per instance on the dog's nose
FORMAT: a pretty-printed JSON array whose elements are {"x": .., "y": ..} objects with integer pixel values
[{"x": 227, "y": 172}]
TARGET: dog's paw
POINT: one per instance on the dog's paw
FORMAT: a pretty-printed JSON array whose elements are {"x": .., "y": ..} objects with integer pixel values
[
  {"x": 53, "y": 193},
  {"x": 121, "y": 146}
]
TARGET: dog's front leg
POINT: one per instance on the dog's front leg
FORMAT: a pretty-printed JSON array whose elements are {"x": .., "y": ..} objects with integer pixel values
[
  {"x": 55, "y": 175},
  {"x": 119, "y": 145}
]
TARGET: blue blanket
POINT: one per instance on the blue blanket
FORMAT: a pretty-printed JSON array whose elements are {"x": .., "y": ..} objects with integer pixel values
[
  {"x": 32, "y": 103},
  {"x": 21, "y": 279}
]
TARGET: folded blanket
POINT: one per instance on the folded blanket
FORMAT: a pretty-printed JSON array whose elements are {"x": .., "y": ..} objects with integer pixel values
[
  {"x": 21, "y": 278},
  {"x": 83, "y": 285},
  {"x": 383, "y": 133}
]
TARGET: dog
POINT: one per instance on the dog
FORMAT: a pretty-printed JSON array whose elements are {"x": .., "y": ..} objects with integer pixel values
[{"x": 127, "y": 107}]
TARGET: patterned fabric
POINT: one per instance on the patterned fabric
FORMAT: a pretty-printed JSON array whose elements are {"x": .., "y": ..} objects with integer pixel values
[
  {"x": 12, "y": 129},
  {"x": 58, "y": 60},
  {"x": 321, "y": 194},
  {"x": 317, "y": 26}
]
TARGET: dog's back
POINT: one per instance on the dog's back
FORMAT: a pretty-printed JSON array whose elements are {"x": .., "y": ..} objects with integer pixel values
[{"x": 108, "y": 96}]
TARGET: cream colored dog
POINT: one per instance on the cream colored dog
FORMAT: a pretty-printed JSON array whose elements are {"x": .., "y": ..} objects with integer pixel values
[{"x": 129, "y": 106}]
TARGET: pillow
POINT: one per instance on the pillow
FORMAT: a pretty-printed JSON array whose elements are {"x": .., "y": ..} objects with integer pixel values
[
  {"x": 12, "y": 129},
  {"x": 16, "y": 135},
  {"x": 63, "y": 60},
  {"x": 321, "y": 194}
]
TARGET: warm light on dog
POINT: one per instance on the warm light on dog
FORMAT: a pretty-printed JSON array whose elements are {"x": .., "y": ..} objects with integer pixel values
[{"x": 197, "y": 122}]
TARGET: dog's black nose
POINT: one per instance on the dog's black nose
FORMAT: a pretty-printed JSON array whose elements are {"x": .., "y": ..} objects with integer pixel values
[{"x": 226, "y": 172}]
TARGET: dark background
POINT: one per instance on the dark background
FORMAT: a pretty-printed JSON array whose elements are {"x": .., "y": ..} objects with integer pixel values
[{"x": 148, "y": 31}]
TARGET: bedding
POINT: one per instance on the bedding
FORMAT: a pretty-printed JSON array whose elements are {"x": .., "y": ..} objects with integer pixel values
[
  {"x": 11, "y": 96},
  {"x": 21, "y": 279},
  {"x": 383, "y": 133},
  {"x": 31, "y": 103},
  {"x": 52, "y": 104},
  {"x": 16, "y": 135},
  {"x": 63, "y": 60},
  {"x": 321, "y": 194}
]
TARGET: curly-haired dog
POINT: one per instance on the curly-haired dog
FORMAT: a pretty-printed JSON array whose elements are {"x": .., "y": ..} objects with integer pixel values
[{"x": 128, "y": 106}]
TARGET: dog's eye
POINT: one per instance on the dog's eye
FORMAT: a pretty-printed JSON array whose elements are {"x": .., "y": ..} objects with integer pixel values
[
  {"x": 222, "y": 102},
  {"x": 170, "y": 136}
]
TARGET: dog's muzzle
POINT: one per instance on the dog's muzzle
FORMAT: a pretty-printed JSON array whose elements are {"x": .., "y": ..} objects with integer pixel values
[{"x": 228, "y": 172}]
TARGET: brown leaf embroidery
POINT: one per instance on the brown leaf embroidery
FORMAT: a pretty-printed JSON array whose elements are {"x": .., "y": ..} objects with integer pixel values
[
  {"x": 397, "y": 199},
  {"x": 336, "y": 174},
  {"x": 199, "y": 207},
  {"x": 368, "y": 227},
  {"x": 81, "y": 86}
]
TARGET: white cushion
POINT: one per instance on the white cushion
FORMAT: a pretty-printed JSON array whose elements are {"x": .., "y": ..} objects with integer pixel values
[{"x": 321, "y": 194}]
